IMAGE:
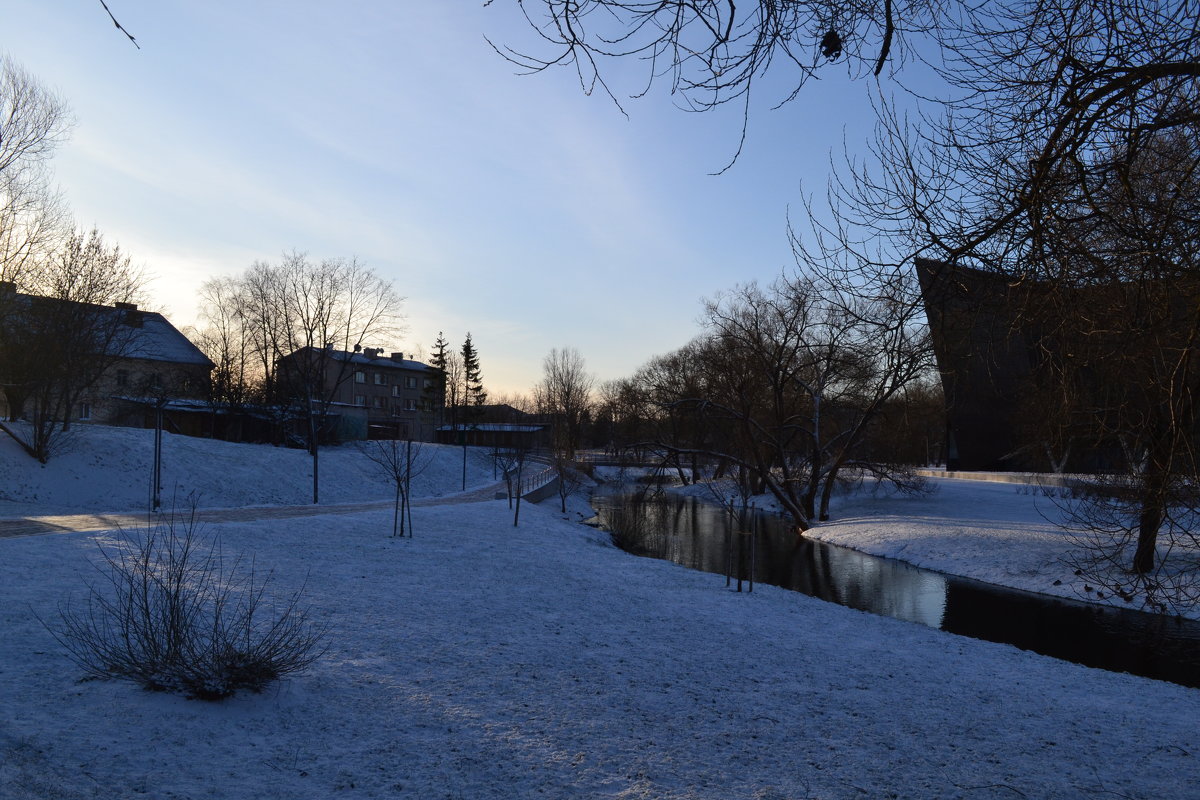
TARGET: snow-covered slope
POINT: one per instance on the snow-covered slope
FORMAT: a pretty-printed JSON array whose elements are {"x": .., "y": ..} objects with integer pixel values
[{"x": 104, "y": 468}]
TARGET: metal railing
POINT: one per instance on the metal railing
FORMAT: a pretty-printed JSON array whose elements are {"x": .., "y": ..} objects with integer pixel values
[{"x": 535, "y": 480}]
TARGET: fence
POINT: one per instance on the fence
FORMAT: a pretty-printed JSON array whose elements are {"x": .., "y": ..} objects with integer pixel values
[{"x": 533, "y": 482}]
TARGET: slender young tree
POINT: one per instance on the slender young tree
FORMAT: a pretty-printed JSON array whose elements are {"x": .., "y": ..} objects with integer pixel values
[{"x": 400, "y": 462}]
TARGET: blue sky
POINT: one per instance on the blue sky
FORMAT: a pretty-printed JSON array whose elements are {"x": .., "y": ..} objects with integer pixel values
[{"x": 514, "y": 207}]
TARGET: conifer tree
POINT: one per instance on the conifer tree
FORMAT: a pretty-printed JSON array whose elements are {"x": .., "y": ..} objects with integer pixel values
[
  {"x": 435, "y": 392},
  {"x": 473, "y": 394}
]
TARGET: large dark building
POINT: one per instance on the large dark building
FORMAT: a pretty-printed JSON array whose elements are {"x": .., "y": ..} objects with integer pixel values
[
  {"x": 985, "y": 359},
  {"x": 1031, "y": 385}
]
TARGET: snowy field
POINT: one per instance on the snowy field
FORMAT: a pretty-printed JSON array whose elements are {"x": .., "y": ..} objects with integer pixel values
[{"x": 479, "y": 660}]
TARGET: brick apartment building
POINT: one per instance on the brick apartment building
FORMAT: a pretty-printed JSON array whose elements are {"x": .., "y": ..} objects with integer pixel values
[{"x": 379, "y": 396}]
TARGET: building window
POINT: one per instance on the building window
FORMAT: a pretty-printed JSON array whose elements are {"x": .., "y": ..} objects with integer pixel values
[
  {"x": 410, "y": 383},
  {"x": 380, "y": 379},
  {"x": 360, "y": 377},
  {"x": 396, "y": 390},
  {"x": 379, "y": 402},
  {"x": 410, "y": 405},
  {"x": 85, "y": 410},
  {"x": 360, "y": 399},
  {"x": 428, "y": 383},
  {"x": 122, "y": 377}
]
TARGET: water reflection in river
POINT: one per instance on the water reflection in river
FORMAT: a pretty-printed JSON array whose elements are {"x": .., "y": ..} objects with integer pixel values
[{"x": 698, "y": 535}]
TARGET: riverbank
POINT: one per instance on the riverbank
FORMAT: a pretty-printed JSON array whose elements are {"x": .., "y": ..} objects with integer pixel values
[{"x": 1000, "y": 533}]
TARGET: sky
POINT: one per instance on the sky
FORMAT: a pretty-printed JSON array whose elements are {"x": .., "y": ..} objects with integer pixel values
[{"x": 514, "y": 207}]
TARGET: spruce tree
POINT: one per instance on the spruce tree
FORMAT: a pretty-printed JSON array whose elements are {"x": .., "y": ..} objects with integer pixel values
[
  {"x": 435, "y": 392},
  {"x": 474, "y": 394}
]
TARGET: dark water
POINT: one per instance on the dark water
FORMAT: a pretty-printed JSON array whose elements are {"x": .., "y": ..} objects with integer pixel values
[{"x": 696, "y": 534}]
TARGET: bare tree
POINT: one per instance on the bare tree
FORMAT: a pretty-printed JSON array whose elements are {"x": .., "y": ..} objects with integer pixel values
[
  {"x": 261, "y": 306},
  {"x": 786, "y": 384},
  {"x": 568, "y": 476},
  {"x": 1065, "y": 162},
  {"x": 58, "y": 342},
  {"x": 33, "y": 217},
  {"x": 565, "y": 395},
  {"x": 33, "y": 120},
  {"x": 519, "y": 458},
  {"x": 328, "y": 310},
  {"x": 506, "y": 459},
  {"x": 714, "y": 52},
  {"x": 33, "y": 221},
  {"x": 236, "y": 380},
  {"x": 400, "y": 461}
]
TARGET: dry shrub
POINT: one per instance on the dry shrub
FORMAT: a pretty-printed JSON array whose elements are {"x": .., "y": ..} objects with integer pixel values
[{"x": 172, "y": 614}]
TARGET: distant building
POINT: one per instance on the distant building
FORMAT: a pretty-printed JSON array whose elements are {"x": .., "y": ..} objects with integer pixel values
[
  {"x": 139, "y": 358},
  {"x": 496, "y": 425},
  {"x": 373, "y": 395}
]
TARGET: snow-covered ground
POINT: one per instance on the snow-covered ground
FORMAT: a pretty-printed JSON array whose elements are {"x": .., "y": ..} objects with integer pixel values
[
  {"x": 108, "y": 469},
  {"x": 479, "y": 660}
]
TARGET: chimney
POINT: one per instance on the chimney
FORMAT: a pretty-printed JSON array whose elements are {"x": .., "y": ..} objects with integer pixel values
[
  {"x": 397, "y": 356},
  {"x": 132, "y": 318}
]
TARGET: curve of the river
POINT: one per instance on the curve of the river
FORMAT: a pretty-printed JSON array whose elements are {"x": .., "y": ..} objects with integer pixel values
[{"x": 696, "y": 534}]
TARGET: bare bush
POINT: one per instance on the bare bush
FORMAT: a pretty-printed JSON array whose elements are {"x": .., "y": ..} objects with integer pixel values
[
  {"x": 627, "y": 523},
  {"x": 173, "y": 614}
]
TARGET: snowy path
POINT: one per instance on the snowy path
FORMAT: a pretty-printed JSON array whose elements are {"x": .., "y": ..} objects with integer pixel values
[{"x": 71, "y": 523}]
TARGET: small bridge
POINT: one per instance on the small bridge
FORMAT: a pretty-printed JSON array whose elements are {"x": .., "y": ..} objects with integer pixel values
[{"x": 601, "y": 458}]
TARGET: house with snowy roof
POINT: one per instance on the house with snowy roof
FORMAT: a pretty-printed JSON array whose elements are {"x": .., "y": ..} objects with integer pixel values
[{"x": 95, "y": 363}]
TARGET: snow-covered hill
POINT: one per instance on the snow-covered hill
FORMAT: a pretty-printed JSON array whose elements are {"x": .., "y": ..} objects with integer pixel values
[{"x": 103, "y": 468}]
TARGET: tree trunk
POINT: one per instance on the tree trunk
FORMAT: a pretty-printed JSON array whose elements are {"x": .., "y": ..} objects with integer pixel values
[
  {"x": 396, "y": 513},
  {"x": 826, "y": 493},
  {"x": 1149, "y": 522}
]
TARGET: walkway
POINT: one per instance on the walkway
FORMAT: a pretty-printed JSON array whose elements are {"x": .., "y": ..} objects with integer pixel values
[{"x": 70, "y": 523}]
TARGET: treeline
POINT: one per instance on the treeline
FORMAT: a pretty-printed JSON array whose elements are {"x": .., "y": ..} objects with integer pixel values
[{"x": 790, "y": 388}]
